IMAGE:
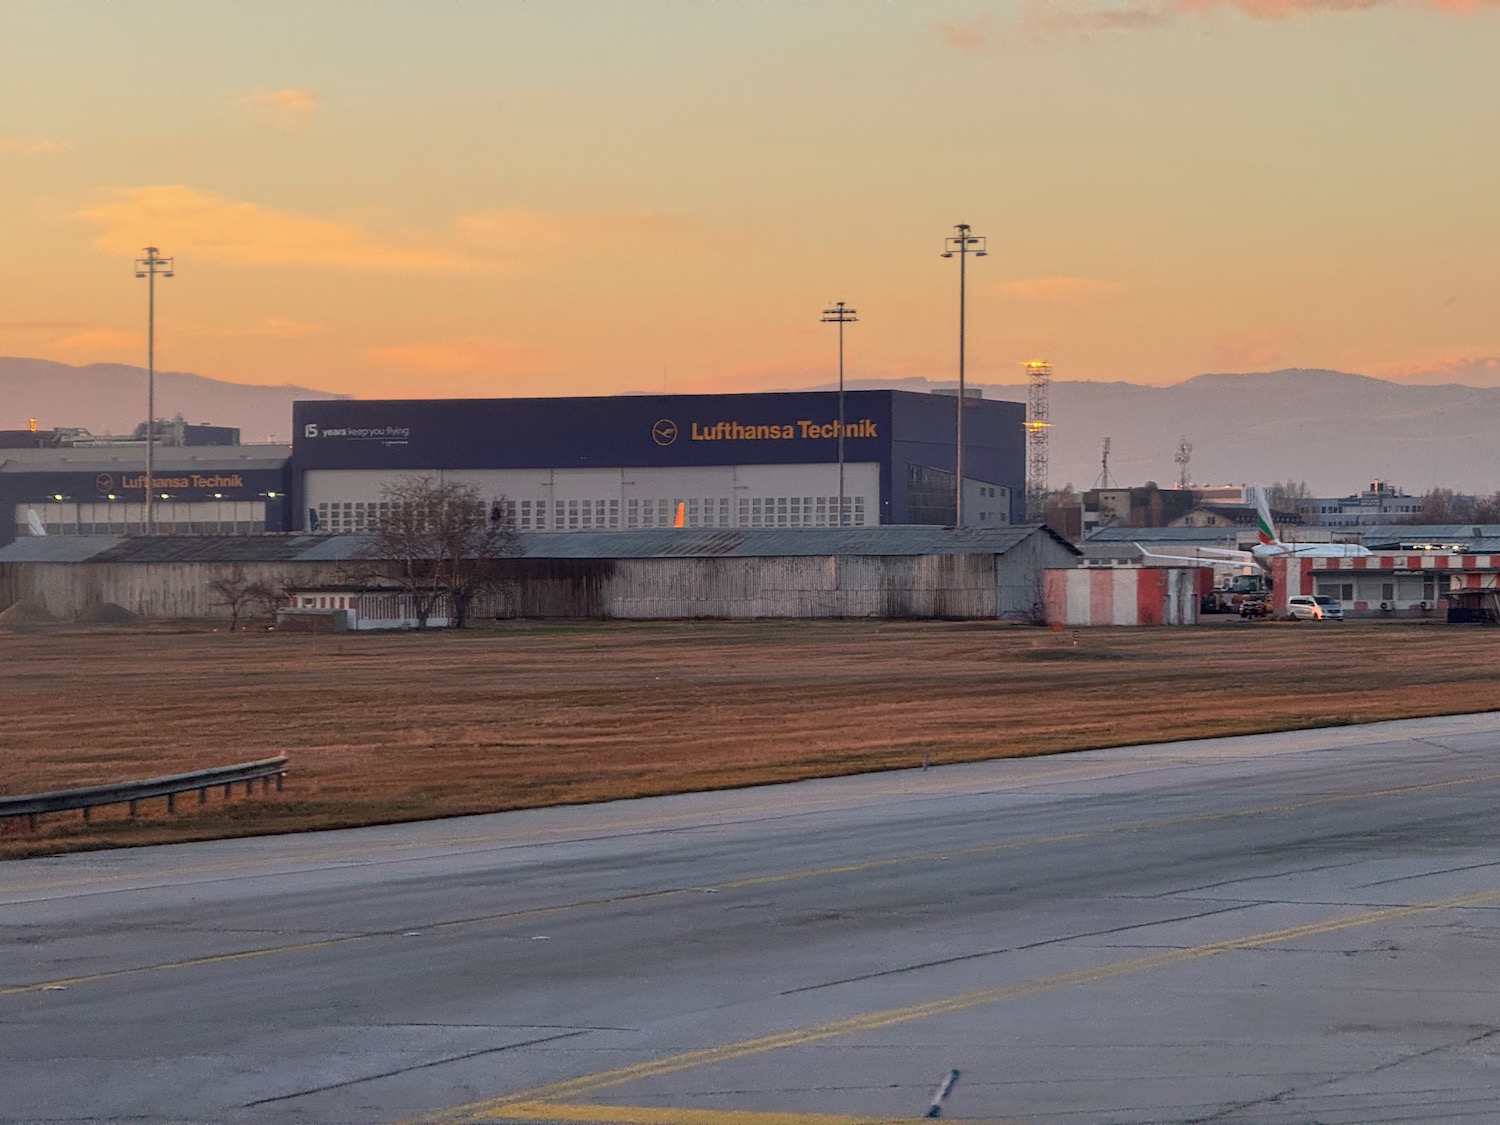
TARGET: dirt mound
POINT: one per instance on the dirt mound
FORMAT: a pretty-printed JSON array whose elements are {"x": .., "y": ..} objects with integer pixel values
[
  {"x": 25, "y": 613},
  {"x": 108, "y": 613}
]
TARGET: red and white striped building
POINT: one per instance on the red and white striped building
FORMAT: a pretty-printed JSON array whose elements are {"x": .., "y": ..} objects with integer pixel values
[
  {"x": 1125, "y": 595},
  {"x": 1405, "y": 583}
]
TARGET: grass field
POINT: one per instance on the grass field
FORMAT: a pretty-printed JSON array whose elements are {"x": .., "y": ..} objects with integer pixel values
[{"x": 401, "y": 726}]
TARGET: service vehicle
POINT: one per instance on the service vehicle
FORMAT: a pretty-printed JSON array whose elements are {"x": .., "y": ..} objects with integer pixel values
[{"x": 1314, "y": 607}]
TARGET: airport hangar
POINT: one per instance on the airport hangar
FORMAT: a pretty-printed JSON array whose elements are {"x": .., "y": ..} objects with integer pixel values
[
  {"x": 628, "y": 462},
  {"x": 100, "y": 490}
]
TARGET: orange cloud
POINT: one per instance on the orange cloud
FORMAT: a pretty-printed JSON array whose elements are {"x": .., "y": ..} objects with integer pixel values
[
  {"x": 275, "y": 327},
  {"x": 100, "y": 340},
  {"x": 285, "y": 107},
  {"x": 30, "y": 327},
  {"x": 459, "y": 355},
  {"x": 973, "y": 34},
  {"x": 34, "y": 146},
  {"x": 1473, "y": 371},
  {"x": 1055, "y": 290},
  {"x": 1090, "y": 15},
  {"x": 186, "y": 222},
  {"x": 1257, "y": 349}
]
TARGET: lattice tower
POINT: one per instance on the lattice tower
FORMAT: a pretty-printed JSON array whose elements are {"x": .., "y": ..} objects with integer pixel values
[
  {"x": 1183, "y": 457},
  {"x": 1102, "y": 480},
  {"x": 1039, "y": 374}
]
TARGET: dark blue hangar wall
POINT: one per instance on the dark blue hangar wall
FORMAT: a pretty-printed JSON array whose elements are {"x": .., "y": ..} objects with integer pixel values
[
  {"x": 896, "y": 429},
  {"x": 204, "y": 482}
]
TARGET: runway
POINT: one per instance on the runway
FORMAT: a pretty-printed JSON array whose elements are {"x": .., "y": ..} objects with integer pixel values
[{"x": 1273, "y": 929}]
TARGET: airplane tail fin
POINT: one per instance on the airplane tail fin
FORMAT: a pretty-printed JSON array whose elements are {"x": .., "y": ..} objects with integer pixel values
[{"x": 1264, "y": 528}]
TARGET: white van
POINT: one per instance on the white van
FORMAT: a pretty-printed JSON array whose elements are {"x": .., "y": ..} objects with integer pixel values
[{"x": 1314, "y": 607}]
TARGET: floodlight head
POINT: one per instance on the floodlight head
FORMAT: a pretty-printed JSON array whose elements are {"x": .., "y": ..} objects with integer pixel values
[{"x": 946, "y": 254}]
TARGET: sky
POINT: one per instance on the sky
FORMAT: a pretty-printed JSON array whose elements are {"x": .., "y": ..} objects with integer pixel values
[{"x": 403, "y": 199}]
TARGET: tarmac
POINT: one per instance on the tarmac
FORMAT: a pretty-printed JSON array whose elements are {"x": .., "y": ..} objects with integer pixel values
[{"x": 1278, "y": 928}]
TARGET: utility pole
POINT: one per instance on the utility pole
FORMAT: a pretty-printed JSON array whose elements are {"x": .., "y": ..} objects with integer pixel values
[
  {"x": 963, "y": 244},
  {"x": 840, "y": 315},
  {"x": 149, "y": 267}
]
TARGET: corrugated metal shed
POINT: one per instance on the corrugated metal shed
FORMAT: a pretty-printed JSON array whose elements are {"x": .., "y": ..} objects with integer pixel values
[{"x": 671, "y": 574}]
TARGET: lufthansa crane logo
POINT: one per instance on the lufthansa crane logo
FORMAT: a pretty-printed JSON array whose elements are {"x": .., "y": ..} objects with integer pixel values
[
  {"x": 664, "y": 432},
  {"x": 104, "y": 482}
]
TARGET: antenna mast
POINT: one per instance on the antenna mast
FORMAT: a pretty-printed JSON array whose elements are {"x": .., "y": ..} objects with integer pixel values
[
  {"x": 1102, "y": 481},
  {"x": 1184, "y": 455}
]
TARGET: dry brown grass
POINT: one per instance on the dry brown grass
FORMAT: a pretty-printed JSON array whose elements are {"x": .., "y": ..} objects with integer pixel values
[{"x": 395, "y": 727}]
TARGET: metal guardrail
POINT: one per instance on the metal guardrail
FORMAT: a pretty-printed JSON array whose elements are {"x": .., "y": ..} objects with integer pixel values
[{"x": 32, "y": 805}]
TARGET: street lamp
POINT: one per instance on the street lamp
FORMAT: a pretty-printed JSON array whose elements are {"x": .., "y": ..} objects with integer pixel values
[
  {"x": 149, "y": 267},
  {"x": 841, "y": 316},
  {"x": 963, "y": 244}
]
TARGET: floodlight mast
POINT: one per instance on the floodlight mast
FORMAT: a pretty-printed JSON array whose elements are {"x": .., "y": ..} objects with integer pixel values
[
  {"x": 841, "y": 315},
  {"x": 963, "y": 244},
  {"x": 149, "y": 267}
]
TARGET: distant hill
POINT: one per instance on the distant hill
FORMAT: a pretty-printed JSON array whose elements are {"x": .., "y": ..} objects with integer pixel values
[
  {"x": 111, "y": 398},
  {"x": 1335, "y": 430}
]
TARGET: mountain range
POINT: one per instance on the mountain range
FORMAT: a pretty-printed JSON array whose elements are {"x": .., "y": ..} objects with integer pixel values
[
  {"x": 1335, "y": 430},
  {"x": 110, "y": 398}
]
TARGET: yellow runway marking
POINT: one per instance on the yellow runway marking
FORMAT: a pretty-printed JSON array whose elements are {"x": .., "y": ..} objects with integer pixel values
[
  {"x": 666, "y": 1115},
  {"x": 505, "y": 1106},
  {"x": 749, "y": 881}
]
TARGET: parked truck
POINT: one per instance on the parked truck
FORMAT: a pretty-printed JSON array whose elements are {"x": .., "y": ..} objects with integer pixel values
[{"x": 1233, "y": 595}]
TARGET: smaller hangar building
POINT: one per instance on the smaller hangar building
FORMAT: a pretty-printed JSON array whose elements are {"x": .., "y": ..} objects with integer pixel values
[
  {"x": 101, "y": 490},
  {"x": 628, "y": 462}
]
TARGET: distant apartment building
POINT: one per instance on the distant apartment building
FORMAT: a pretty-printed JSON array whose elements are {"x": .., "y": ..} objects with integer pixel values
[{"x": 1381, "y": 503}]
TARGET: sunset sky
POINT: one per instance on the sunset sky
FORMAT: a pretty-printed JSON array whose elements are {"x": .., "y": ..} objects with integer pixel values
[{"x": 560, "y": 197}]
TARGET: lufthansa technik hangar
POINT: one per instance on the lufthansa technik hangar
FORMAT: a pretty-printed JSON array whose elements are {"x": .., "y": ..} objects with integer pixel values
[{"x": 624, "y": 462}]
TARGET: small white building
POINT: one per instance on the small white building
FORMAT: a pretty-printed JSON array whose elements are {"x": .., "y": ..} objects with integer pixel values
[{"x": 354, "y": 608}]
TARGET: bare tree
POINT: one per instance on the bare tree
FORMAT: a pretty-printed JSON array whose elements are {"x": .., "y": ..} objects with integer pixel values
[
  {"x": 1286, "y": 496},
  {"x": 235, "y": 592},
  {"x": 1487, "y": 508},
  {"x": 1444, "y": 505},
  {"x": 267, "y": 595},
  {"x": 439, "y": 541}
]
